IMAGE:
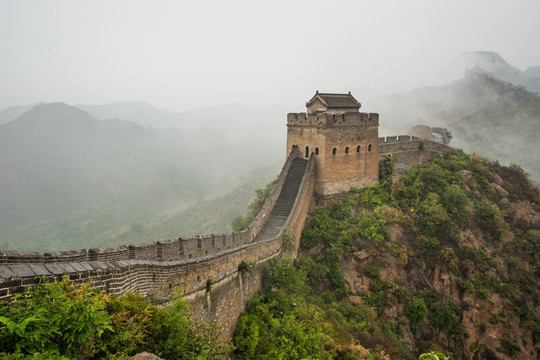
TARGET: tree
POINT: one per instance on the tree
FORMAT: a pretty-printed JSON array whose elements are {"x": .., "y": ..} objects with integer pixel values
[{"x": 433, "y": 355}]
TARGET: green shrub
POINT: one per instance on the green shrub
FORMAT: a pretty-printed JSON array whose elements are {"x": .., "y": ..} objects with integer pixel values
[
  {"x": 64, "y": 321},
  {"x": 283, "y": 275},
  {"x": 256, "y": 204},
  {"x": 176, "y": 337},
  {"x": 415, "y": 310},
  {"x": 58, "y": 319},
  {"x": 248, "y": 267},
  {"x": 448, "y": 319},
  {"x": 209, "y": 284}
]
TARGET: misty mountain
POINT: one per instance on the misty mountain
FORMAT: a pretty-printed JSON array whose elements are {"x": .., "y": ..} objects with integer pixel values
[
  {"x": 136, "y": 111},
  {"x": 488, "y": 116},
  {"x": 58, "y": 160},
  {"x": 12, "y": 112},
  {"x": 231, "y": 118},
  {"x": 494, "y": 63}
]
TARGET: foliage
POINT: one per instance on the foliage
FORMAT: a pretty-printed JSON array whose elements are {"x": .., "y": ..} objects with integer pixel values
[
  {"x": 290, "y": 319},
  {"x": 416, "y": 311},
  {"x": 65, "y": 321},
  {"x": 432, "y": 220},
  {"x": 57, "y": 319},
  {"x": 209, "y": 284},
  {"x": 131, "y": 318},
  {"x": 433, "y": 355},
  {"x": 248, "y": 267},
  {"x": 386, "y": 169},
  {"x": 176, "y": 337},
  {"x": 283, "y": 275},
  {"x": 447, "y": 318},
  {"x": 255, "y": 205}
]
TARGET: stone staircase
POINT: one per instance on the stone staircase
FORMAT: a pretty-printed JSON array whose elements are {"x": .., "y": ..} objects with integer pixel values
[{"x": 285, "y": 201}]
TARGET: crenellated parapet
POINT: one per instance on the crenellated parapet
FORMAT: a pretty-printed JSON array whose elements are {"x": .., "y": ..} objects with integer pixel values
[
  {"x": 409, "y": 151},
  {"x": 329, "y": 120},
  {"x": 154, "y": 269},
  {"x": 331, "y": 148},
  {"x": 173, "y": 249},
  {"x": 393, "y": 145}
]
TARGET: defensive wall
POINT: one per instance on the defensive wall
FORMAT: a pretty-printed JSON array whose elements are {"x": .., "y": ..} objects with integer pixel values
[
  {"x": 205, "y": 267},
  {"x": 347, "y": 119},
  {"x": 195, "y": 263},
  {"x": 409, "y": 150}
]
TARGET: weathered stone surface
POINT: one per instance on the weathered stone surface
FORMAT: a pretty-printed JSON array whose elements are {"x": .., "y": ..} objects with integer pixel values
[
  {"x": 155, "y": 269},
  {"x": 78, "y": 266},
  {"x": 22, "y": 270},
  {"x": 39, "y": 269},
  {"x": 67, "y": 268},
  {"x": 54, "y": 269},
  {"x": 5, "y": 272}
]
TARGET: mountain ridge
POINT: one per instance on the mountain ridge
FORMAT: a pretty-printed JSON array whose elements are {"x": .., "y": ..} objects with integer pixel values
[{"x": 58, "y": 160}]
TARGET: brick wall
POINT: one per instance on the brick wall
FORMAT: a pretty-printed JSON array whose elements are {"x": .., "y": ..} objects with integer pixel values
[{"x": 155, "y": 269}]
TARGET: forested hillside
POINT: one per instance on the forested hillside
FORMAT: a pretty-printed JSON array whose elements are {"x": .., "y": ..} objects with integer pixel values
[
  {"x": 70, "y": 181},
  {"x": 444, "y": 258},
  {"x": 486, "y": 115}
]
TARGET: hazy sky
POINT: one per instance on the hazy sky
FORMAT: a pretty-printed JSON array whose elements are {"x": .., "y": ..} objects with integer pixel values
[{"x": 183, "y": 54}]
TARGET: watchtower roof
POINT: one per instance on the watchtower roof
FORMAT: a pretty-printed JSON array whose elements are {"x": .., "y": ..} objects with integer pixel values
[{"x": 332, "y": 101}]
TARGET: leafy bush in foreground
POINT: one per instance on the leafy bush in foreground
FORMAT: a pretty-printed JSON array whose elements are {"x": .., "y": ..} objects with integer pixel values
[{"x": 66, "y": 321}]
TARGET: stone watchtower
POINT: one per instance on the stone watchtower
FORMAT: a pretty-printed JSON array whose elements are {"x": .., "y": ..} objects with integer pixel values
[{"x": 344, "y": 141}]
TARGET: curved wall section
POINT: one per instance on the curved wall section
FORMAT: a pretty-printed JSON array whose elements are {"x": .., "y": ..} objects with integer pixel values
[{"x": 156, "y": 269}]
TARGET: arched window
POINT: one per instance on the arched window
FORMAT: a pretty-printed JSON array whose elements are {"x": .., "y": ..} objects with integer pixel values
[
  {"x": 334, "y": 152},
  {"x": 370, "y": 147},
  {"x": 307, "y": 151},
  {"x": 347, "y": 150},
  {"x": 316, "y": 151},
  {"x": 358, "y": 149}
]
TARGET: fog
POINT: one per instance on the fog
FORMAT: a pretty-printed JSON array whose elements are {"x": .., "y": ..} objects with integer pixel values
[
  {"x": 98, "y": 163},
  {"x": 184, "y": 55}
]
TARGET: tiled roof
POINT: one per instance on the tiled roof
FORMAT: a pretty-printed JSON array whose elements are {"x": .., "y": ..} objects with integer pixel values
[{"x": 335, "y": 100}]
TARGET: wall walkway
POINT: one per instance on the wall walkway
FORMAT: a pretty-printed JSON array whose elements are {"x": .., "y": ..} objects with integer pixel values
[{"x": 156, "y": 269}]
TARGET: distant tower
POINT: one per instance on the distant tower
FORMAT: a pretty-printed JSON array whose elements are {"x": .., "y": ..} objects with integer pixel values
[{"x": 344, "y": 141}]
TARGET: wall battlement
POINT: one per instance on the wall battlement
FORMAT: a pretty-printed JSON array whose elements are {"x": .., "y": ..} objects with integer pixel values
[
  {"x": 398, "y": 138},
  {"x": 340, "y": 151},
  {"x": 174, "y": 249},
  {"x": 326, "y": 119},
  {"x": 393, "y": 145},
  {"x": 154, "y": 269}
]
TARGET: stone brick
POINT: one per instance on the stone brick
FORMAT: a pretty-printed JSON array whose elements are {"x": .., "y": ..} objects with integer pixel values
[
  {"x": 86, "y": 265},
  {"x": 54, "y": 269},
  {"x": 67, "y": 268},
  {"x": 78, "y": 266},
  {"x": 39, "y": 269},
  {"x": 31, "y": 281},
  {"x": 5, "y": 272},
  {"x": 11, "y": 283},
  {"x": 21, "y": 270}
]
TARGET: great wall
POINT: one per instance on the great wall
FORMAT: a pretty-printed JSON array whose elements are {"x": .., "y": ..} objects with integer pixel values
[{"x": 325, "y": 158}]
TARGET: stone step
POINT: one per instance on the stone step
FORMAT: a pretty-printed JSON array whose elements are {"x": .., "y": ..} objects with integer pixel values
[{"x": 285, "y": 201}]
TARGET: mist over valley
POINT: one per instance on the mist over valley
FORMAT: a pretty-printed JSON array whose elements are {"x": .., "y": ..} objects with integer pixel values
[
  {"x": 71, "y": 180},
  {"x": 84, "y": 176}
]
